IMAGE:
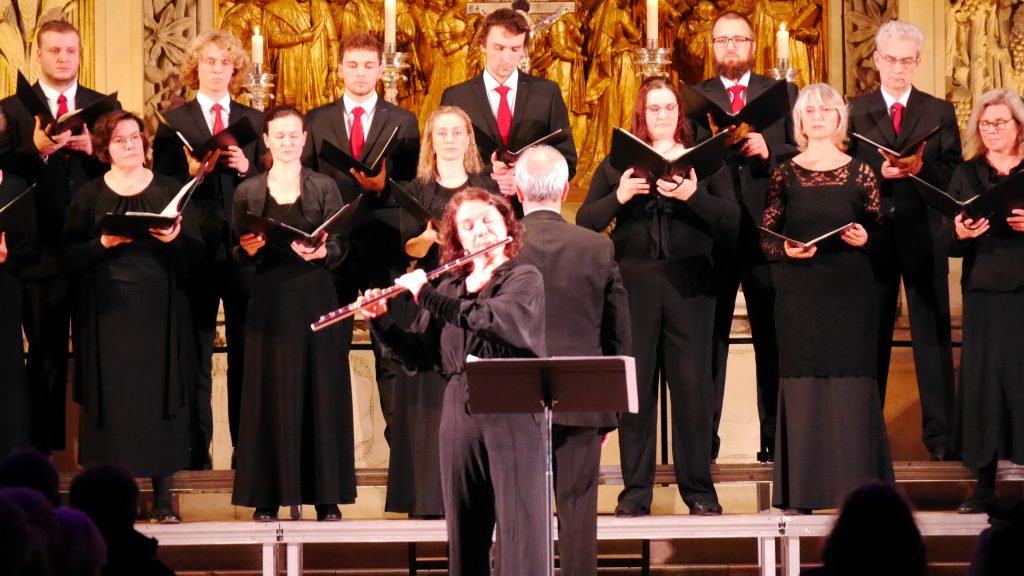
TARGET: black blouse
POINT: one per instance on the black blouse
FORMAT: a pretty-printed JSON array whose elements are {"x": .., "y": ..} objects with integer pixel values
[{"x": 995, "y": 260}]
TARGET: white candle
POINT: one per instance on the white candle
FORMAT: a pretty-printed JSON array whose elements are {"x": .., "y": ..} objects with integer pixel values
[
  {"x": 257, "y": 47},
  {"x": 652, "y": 23},
  {"x": 389, "y": 22},
  {"x": 782, "y": 43}
]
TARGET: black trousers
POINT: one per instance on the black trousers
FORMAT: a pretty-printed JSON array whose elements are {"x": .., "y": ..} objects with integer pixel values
[
  {"x": 668, "y": 314},
  {"x": 492, "y": 472},
  {"x": 210, "y": 282},
  {"x": 46, "y": 319},
  {"x": 759, "y": 295},
  {"x": 928, "y": 304},
  {"x": 577, "y": 462}
]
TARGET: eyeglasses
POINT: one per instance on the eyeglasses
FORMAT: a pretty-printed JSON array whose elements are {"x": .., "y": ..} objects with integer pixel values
[
  {"x": 122, "y": 141},
  {"x": 737, "y": 41},
  {"x": 997, "y": 125},
  {"x": 903, "y": 62},
  {"x": 819, "y": 110},
  {"x": 667, "y": 109}
]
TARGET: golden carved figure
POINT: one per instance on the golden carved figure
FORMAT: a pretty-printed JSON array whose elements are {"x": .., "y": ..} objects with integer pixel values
[
  {"x": 410, "y": 90},
  {"x": 564, "y": 42},
  {"x": 426, "y": 15},
  {"x": 612, "y": 82},
  {"x": 241, "y": 21},
  {"x": 363, "y": 16},
  {"x": 698, "y": 43},
  {"x": 301, "y": 32},
  {"x": 454, "y": 35}
]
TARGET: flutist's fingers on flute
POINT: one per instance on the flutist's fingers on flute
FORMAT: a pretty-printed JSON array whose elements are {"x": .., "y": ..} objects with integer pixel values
[
  {"x": 412, "y": 281},
  {"x": 378, "y": 308}
]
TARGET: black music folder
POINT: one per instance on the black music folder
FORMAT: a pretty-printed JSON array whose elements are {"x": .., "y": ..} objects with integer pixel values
[
  {"x": 17, "y": 217},
  {"x": 758, "y": 113},
  {"x": 73, "y": 120},
  {"x": 628, "y": 151},
  {"x": 938, "y": 200},
  {"x": 137, "y": 224},
  {"x": 343, "y": 161},
  {"x": 408, "y": 202},
  {"x": 1000, "y": 200},
  {"x": 280, "y": 235},
  {"x": 908, "y": 151},
  {"x": 510, "y": 157},
  {"x": 239, "y": 133},
  {"x": 807, "y": 243}
]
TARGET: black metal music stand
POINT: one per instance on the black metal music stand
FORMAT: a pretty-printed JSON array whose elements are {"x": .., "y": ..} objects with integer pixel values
[{"x": 563, "y": 384}]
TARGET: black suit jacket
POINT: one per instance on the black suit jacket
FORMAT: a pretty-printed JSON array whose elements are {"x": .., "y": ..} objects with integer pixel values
[
  {"x": 587, "y": 309},
  {"x": 58, "y": 177},
  {"x": 539, "y": 111},
  {"x": 750, "y": 175},
  {"x": 213, "y": 201},
  {"x": 377, "y": 249},
  {"x": 921, "y": 234}
]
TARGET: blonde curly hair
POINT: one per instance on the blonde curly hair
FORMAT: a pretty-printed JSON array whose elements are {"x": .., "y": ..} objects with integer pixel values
[{"x": 223, "y": 40}]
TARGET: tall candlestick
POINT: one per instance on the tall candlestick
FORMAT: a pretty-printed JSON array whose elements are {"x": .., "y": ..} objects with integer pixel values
[
  {"x": 782, "y": 43},
  {"x": 652, "y": 23},
  {"x": 389, "y": 22},
  {"x": 257, "y": 47}
]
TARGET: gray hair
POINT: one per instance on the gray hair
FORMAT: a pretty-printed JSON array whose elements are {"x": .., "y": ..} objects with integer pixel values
[
  {"x": 541, "y": 174},
  {"x": 900, "y": 30},
  {"x": 973, "y": 144}
]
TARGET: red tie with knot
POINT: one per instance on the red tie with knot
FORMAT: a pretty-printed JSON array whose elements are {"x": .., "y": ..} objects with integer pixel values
[
  {"x": 62, "y": 106},
  {"x": 357, "y": 139},
  {"x": 504, "y": 114},
  {"x": 897, "y": 117},
  {"x": 737, "y": 97},
  {"x": 218, "y": 122}
]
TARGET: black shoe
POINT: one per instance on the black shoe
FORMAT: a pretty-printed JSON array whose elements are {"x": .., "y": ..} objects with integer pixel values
[
  {"x": 628, "y": 509},
  {"x": 165, "y": 515},
  {"x": 328, "y": 513},
  {"x": 766, "y": 456},
  {"x": 977, "y": 504},
  {"x": 706, "y": 509},
  {"x": 265, "y": 514}
]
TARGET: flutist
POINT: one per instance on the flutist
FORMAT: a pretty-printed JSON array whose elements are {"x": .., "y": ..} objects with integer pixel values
[{"x": 492, "y": 465}]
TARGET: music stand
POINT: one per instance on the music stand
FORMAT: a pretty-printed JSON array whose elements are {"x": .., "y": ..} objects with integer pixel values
[{"x": 565, "y": 384}]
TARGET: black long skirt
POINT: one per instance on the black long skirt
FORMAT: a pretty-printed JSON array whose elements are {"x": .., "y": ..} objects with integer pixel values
[
  {"x": 992, "y": 377},
  {"x": 295, "y": 441}
]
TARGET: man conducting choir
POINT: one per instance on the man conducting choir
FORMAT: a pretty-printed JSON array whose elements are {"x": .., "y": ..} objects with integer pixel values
[
  {"x": 492, "y": 465},
  {"x": 587, "y": 315},
  {"x": 215, "y": 65},
  {"x": 749, "y": 163},
  {"x": 509, "y": 108},
  {"x": 360, "y": 124},
  {"x": 60, "y": 164},
  {"x": 913, "y": 241}
]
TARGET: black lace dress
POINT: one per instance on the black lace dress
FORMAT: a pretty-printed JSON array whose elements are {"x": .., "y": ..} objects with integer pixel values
[{"x": 831, "y": 433}]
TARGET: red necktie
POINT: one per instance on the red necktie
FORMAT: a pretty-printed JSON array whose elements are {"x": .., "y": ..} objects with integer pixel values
[
  {"x": 62, "y": 106},
  {"x": 737, "y": 98},
  {"x": 897, "y": 117},
  {"x": 218, "y": 123},
  {"x": 356, "y": 138},
  {"x": 504, "y": 114}
]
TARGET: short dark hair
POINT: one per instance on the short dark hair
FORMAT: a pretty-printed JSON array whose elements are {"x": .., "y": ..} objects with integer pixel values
[
  {"x": 451, "y": 246},
  {"x": 109, "y": 496},
  {"x": 638, "y": 126},
  {"x": 732, "y": 15},
  {"x": 282, "y": 111},
  {"x": 511, "y": 20},
  {"x": 29, "y": 468},
  {"x": 360, "y": 41},
  {"x": 58, "y": 26},
  {"x": 104, "y": 128}
]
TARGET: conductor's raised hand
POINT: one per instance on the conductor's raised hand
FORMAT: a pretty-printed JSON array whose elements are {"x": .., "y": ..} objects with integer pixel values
[
  {"x": 630, "y": 186},
  {"x": 799, "y": 252},
  {"x": 967, "y": 228},
  {"x": 251, "y": 243},
  {"x": 855, "y": 236},
  {"x": 375, "y": 310}
]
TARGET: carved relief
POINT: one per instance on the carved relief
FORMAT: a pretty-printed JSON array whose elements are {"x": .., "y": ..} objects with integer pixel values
[
  {"x": 169, "y": 26},
  {"x": 861, "y": 19}
]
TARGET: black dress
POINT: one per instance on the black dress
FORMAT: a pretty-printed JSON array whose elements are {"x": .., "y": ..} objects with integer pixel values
[
  {"x": 831, "y": 433},
  {"x": 21, "y": 251},
  {"x": 295, "y": 430},
  {"x": 991, "y": 364},
  {"x": 414, "y": 473},
  {"x": 492, "y": 465},
  {"x": 134, "y": 352}
]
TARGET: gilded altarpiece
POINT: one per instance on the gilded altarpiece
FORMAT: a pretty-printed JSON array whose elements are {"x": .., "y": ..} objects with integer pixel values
[{"x": 19, "y": 20}]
